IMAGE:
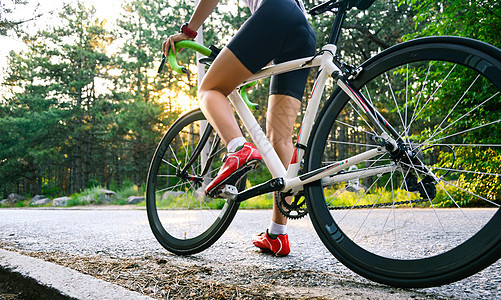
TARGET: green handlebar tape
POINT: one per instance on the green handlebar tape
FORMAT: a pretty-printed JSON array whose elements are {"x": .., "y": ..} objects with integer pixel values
[
  {"x": 195, "y": 46},
  {"x": 245, "y": 96},
  {"x": 173, "y": 63},
  {"x": 186, "y": 44}
]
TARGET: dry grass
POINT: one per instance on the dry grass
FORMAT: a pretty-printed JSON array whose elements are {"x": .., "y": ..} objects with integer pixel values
[{"x": 162, "y": 277}]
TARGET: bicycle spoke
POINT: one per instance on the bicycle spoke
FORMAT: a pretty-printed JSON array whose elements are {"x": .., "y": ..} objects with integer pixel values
[
  {"x": 428, "y": 196},
  {"x": 374, "y": 205},
  {"x": 394, "y": 99},
  {"x": 465, "y": 131},
  {"x": 459, "y": 119},
  {"x": 360, "y": 198},
  {"x": 454, "y": 107},
  {"x": 473, "y": 194},
  {"x": 469, "y": 145},
  {"x": 405, "y": 133},
  {"x": 431, "y": 96},
  {"x": 412, "y": 206},
  {"x": 469, "y": 172},
  {"x": 440, "y": 183},
  {"x": 172, "y": 188},
  {"x": 361, "y": 117},
  {"x": 351, "y": 126},
  {"x": 348, "y": 143},
  {"x": 420, "y": 95},
  {"x": 173, "y": 155}
]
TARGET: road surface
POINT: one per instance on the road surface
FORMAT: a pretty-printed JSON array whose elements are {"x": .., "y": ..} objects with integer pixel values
[{"x": 125, "y": 234}]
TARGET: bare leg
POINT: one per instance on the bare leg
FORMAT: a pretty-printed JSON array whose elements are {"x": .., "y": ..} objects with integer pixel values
[
  {"x": 281, "y": 116},
  {"x": 224, "y": 75}
]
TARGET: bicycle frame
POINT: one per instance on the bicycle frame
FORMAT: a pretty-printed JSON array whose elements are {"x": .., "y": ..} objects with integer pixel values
[{"x": 289, "y": 179}]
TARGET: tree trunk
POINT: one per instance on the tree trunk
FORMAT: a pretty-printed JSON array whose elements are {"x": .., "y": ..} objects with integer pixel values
[{"x": 86, "y": 168}]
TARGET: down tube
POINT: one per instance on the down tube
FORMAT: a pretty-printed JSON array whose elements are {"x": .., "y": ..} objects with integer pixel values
[{"x": 262, "y": 143}]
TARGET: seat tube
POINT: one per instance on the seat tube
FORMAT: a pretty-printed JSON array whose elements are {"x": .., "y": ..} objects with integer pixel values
[
  {"x": 326, "y": 68},
  {"x": 262, "y": 143}
]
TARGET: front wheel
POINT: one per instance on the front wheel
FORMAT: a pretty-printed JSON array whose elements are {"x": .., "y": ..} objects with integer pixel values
[
  {"x": 434, "y": 217},
  {"x": 181, "y": 217}
]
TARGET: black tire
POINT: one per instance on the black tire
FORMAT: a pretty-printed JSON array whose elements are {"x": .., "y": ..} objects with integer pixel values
[
  {"x": 391, "y": 239},
  {"x": 181, "y": 217}
]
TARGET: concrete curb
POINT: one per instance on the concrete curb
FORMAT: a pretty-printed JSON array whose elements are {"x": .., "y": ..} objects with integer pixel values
[{"x": 67, "y": 281}]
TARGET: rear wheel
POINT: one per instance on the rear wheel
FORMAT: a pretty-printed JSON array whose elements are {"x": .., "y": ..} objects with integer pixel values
[
  {"x": 182, "y": 218},
  {"x": 435, "y": 218}
]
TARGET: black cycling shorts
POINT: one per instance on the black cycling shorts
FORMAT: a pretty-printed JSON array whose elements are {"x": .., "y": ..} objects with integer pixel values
[{"x": 278, "y": 31}]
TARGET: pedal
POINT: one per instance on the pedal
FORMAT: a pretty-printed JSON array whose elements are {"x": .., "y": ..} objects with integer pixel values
[{"x": 228, "y": 191}]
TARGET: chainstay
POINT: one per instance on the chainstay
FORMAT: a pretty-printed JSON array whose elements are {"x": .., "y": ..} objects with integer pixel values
[{"x": 379, "y": 205}]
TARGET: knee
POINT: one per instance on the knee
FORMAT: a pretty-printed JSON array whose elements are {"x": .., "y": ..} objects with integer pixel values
[
  {"x": 206, "y": 94},
  {"x": 202, "y": 96}
]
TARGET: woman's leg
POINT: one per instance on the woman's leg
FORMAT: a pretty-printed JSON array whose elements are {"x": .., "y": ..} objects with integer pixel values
[
  {"x": 281, "y": 116},
  {"x": 224, "y": 75}
]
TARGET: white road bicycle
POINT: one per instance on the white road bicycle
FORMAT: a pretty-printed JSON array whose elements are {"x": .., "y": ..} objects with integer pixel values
[{"x": 413, "y": 129}]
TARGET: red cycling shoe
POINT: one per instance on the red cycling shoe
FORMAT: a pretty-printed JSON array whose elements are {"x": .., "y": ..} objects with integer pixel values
[
  {"x": 279, "y": 245},
  {"x": 236, "y": 165}
]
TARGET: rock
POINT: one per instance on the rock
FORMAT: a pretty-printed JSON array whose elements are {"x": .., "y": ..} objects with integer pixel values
[
  {"x": 43, "y": 201},
  {"x": 14, "y": 198},
  {"x": 171, "y": 194},
  {"x": 4, "y": 201},
  {"x": 37, "y": 197},
  {"x": 135, "y": 199},
  {"x": 39, "y": 200},
  {"x": 106, "y": 195},
  {"x": 88, "y": 199},
  {"x": 61, "y": 201}
]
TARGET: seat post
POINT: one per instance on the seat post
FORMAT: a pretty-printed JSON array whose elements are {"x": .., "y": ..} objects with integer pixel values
[{"x": 338, "y": 23}]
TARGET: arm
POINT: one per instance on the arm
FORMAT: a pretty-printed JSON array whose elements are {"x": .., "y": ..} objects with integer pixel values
[{"x": 202, "y": 11}]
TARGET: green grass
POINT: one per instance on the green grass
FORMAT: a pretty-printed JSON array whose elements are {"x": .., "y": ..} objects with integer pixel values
[
  {"x": 334, "y": 197},
  {"x": 188, "y": 200},
  {"x": 95, "y": 195},
  {"x": 260, "y": 202},
  {"x": 91, "y": 195},
  {"x": 337, "y": 198}
]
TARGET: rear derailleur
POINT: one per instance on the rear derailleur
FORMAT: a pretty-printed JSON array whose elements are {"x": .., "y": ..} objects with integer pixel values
[
  {"x": 426, "y": 187},
  {"x": 410, "y": 158}
]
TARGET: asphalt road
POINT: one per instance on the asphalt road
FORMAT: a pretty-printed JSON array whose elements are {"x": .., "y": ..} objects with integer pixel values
[{"x": 125, "y": 233}]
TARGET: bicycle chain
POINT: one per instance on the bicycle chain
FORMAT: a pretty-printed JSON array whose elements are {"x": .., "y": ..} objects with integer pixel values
[
  {"x": 379, "y": 204},
  {"x": 297, "y": 212}
]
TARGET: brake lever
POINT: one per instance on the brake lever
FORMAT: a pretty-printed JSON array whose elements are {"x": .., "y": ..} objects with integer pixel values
[{"x": 162, "y": 63}]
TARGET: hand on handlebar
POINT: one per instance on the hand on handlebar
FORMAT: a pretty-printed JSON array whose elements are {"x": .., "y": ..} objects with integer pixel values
[
  {"x": 183, "y": 43},
  {"x": 170, "y": 42}
]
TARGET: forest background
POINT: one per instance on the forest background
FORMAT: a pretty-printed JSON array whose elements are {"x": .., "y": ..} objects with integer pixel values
[{"x": 82, "y": 105}]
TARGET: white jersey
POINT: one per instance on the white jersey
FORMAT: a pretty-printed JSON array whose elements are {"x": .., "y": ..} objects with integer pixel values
[{"x": 254, "y": 4}]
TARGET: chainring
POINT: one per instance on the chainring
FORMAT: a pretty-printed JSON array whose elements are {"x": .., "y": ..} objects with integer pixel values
[{"x": 296, "y": 209}]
